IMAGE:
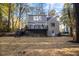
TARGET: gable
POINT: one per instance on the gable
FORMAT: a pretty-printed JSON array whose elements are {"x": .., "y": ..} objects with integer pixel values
[{"x": 52, "y": 19}]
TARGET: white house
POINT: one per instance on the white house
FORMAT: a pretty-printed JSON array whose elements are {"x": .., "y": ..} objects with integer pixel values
[
  {"x": 53, "y": 26},
  {"x": 44, "y": 22},
  {"x": 37, "y": 22}
]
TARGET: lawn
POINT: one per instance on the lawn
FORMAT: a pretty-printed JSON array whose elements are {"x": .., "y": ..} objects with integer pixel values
[{"x": 24, "y": 46}]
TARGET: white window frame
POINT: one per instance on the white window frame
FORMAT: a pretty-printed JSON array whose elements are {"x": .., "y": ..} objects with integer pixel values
[{"x": 36, "y": 18}]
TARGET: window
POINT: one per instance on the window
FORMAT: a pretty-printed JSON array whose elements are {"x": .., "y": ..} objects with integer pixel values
[
  {"x": 37, "y": 18},
  {"x": 53, "y": 24},
  {"x": 52, "y": 31}
]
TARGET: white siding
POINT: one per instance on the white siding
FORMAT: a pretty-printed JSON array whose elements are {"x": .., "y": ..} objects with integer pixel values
[
  {"x": 41, "y": 23},
  {"x": 53, "y": 28}
]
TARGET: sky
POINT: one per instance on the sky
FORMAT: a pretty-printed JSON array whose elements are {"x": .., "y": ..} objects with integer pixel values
[
  {"x": 57, "y": 6},
  {"x": 49, "y": 6}
]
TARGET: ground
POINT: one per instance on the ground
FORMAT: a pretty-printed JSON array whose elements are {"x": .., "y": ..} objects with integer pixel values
[{"x": 38, "y": 46}]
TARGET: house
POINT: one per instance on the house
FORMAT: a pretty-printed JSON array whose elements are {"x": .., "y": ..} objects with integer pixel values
[
  {"x": 53, "y": 26},
  {"x": 42, "y": 23},
  {"x": 37, "y": 22}
]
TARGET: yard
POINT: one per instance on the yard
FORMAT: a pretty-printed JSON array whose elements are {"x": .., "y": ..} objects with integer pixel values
[{"x": 37, "y": 46}]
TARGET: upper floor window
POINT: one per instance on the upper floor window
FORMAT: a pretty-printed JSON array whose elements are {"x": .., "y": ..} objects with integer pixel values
[{"x": 37, "y": 18}]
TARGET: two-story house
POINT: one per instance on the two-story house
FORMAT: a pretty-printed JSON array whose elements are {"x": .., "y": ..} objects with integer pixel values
[{"x": 43, "y": 23}]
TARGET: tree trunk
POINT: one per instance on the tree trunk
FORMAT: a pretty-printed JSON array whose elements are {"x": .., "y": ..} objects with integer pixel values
[
  {"x": 20, "y": 8},
  {"x": 71, "y": 26},
  {"x": 12, "y": 23},
  {"x": 76, "y": 12},
  {"x": 71, "y": 31},
  {"x": 9, "y": 14},
  {"x": 1, "y": 20}
]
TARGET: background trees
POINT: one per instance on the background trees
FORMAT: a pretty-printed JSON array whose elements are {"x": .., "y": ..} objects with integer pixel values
[
  {"x": 68, "y": 17},
  {"x": 22, "y": 10},
  {"x": 10, "y": 12},
  {"x": 6, "y": 14},
  {"x": 3, "y": 16},
  {"x": 52, "y": 12}
]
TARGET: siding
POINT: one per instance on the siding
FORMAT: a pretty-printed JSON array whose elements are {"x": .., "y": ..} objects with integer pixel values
[
  {"x": 53, "y": 28},
  {"x": 40, "y": 24}
]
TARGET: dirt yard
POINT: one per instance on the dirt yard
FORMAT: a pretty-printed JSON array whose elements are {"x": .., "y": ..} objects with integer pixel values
[{"x": 38, "y": 46}]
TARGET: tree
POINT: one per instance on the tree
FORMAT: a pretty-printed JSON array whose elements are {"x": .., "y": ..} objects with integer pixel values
[
  {"x": 67, "y": 17},
  {"x": 6, "y": 10},
  {"x": 0, "y": 19},
  {"x": 22, "y": 9},
  {"x": 3, "y": 14},
  {"x": 12, "y": 16},
  {"x": 76, "y": 14},
  {"x": 9, "y": 15},
  {"x": 52, "y": 12}
]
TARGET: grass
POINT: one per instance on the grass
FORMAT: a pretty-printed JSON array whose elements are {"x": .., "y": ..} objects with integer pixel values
[{"x": 47, "y": 46}]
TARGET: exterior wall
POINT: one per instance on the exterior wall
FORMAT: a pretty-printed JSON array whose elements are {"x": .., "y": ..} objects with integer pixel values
[
  {"x": 44, "y": 24},
  {"x": 52, "y": 29},
  {"x": 41, "y": 23}
]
